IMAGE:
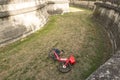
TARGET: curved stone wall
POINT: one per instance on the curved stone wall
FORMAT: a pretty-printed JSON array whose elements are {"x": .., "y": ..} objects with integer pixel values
[
  {"x": 19, "y": 18},
  {"x": 109, "y": 16},
  {"x": 84, "y": 4},
  {"x": 58, "y": 6}
]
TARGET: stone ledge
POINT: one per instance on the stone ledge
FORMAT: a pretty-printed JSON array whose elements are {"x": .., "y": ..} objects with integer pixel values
[
  {"x": 108, "y": 6},
  {"x": 7, "y": 13},
  {"x": 83, "y": 4},
  {"x": 5, "y": 2},
  {"x": 20, "y": 11},
  {"x": 57, "y": 2},
  {"x": 108, "y": 71}
]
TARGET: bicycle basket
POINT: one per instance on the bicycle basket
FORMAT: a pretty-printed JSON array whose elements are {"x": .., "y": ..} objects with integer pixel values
[{"x": 72, "y": 59}]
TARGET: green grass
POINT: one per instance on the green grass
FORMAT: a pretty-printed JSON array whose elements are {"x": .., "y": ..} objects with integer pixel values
[{"x": 76, "y": 33}]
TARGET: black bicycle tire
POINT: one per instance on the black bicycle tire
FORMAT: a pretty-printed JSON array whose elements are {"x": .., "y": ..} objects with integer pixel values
[{"x": 64, "y": 70}]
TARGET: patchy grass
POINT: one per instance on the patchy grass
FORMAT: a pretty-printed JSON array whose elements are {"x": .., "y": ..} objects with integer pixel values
[{"x": 75, "y": 33}]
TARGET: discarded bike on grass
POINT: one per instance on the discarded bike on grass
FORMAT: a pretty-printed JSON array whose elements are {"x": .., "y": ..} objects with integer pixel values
[{"x": 65, "y": 64}]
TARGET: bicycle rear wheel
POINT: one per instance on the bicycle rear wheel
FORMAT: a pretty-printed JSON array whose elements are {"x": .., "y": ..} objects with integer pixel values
[{"x": 64, "y": 69}]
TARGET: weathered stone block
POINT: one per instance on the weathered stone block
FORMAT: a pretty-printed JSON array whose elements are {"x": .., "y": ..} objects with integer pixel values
[{"x": 20, "y": 18}]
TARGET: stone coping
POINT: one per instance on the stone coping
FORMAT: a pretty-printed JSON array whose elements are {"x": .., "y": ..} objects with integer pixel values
[
  {"x": 7, "y": 13},
  {"x": 108, "y": 6},
  {"x": 5, "y": 2},
  {"x": 109, "y": 70},
  {"x": 20, "y": 11}
]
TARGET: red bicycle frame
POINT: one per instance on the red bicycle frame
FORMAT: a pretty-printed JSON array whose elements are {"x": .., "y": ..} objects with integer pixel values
[
  {"x": 65, "y": 64},
  {"x": 70, "y": 60}
]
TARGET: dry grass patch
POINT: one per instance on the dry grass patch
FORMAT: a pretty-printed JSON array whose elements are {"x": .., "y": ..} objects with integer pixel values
[{"x": 75, "y": 33}]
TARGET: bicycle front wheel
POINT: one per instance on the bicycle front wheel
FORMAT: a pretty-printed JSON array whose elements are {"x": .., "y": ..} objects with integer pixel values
[{"x": 51, "y": 55}]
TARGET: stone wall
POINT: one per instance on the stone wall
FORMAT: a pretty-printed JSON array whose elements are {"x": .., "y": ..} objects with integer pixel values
[
  {"x": 19, "y": 18},
  {"x": 109, "y": 16},
  {"x": 83, "y": 4},
  {"x": 58, "y": 6}
]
